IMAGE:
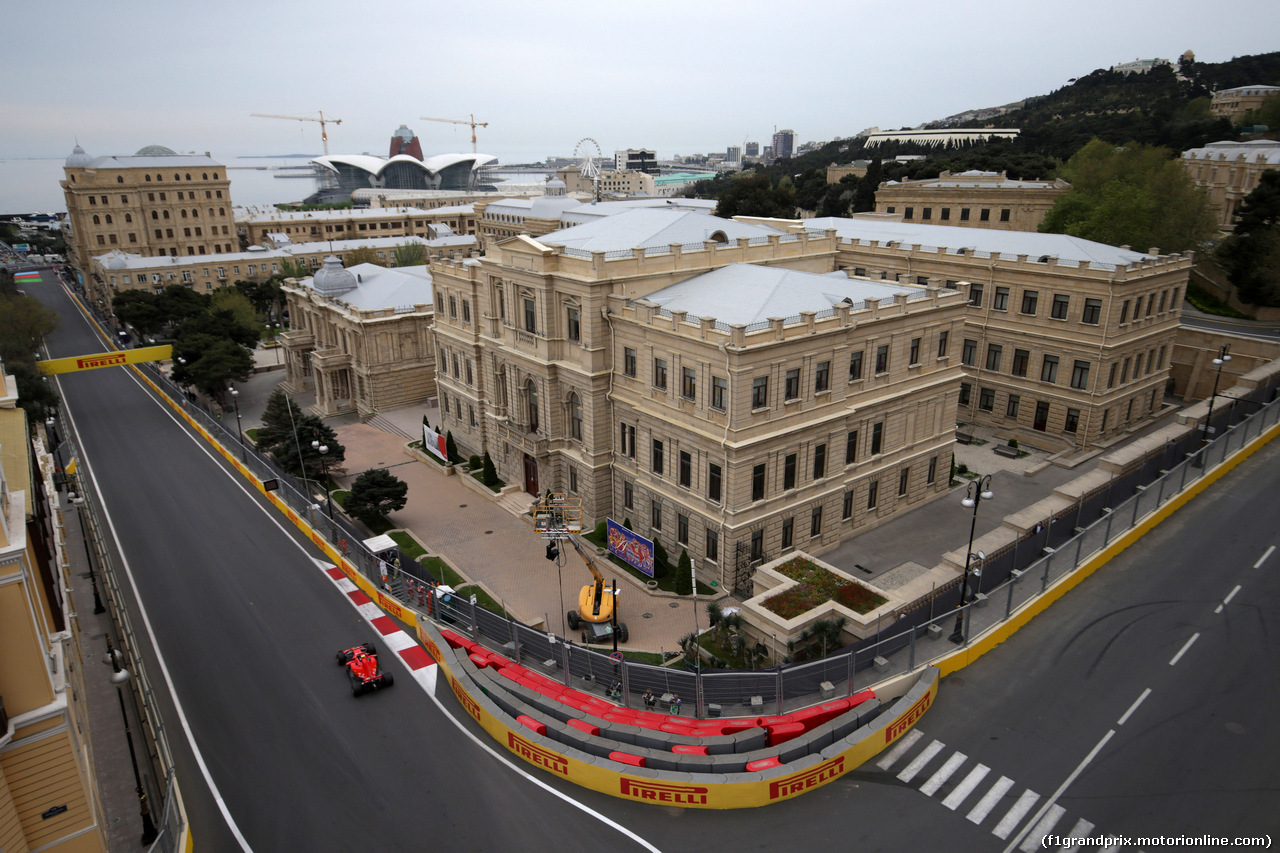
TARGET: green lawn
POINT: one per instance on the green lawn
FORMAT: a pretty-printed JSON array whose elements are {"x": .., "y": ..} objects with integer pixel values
[{"x": 482, "y": 598}]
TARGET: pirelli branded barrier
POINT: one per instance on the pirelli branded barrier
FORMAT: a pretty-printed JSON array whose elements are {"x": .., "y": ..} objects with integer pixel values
[{"x": 690, "y": 790}]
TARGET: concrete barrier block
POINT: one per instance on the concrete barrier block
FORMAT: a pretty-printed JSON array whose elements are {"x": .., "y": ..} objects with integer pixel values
[
  {"x": 827, "y": 690},
  {"x": 698, "y": 764},
  {"x": 653, "y": 739},
  {"x": 713, "y": 710},
  {"x": 748, "y": 740},
  {"x": 934, "y": 632},
  {"x": 509, "y": 651},
  {"x": 621, "y": 732},
  {"x": 868, "y": 711},
  {"x": 980, "y": 599},
  {"x": 756, "y": 703},
  {"x": 880, "y": 664}
]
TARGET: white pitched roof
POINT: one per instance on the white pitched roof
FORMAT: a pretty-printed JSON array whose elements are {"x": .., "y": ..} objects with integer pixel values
[
  {"x": 399, "y": 288},
  {"x": 651, "y": 228},
  {"x": 750, "y": 293},
  {"x": 984, "y": 242}
]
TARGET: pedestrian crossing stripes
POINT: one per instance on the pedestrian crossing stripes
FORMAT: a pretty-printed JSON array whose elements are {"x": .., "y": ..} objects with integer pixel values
[{"x": 1006, "y": 803}]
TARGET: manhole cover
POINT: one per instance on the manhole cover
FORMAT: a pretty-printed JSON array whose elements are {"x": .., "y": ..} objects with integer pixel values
[
  {"x": 674, "y": 604},
  {"x": 462, "y": 506},
  {"x": 488, "y": 532},
  {"x": 1235, "y": 728},
  {"x": 646, "y": 615}
]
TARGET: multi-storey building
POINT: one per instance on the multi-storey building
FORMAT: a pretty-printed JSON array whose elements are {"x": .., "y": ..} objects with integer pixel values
[
  {"x": 972, "y": 199},
  {"x": 784, "y": 142},
  {"x": 1229, "y": 171},
  {"x": 1234, "y": 103},
  {"x": 1066, "y": 342},
  {"x": 361, "y": 338},
  {"x": 120, "y": 271},
  {"x": 611, "y": 181},
  {"x": 153, "y": 203},
  {"x": 703, "y": 377},
  {"x": 636, "y": 160},
  {"x": 254, "y": 225},
  {"x": 48, "y": 796}
]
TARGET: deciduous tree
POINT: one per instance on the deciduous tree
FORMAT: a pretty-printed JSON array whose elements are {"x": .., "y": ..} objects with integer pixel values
[{"x": 375, "y": 494}]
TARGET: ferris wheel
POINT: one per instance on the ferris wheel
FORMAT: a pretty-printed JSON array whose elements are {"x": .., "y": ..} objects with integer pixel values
[{"x": 589, "y": 163}]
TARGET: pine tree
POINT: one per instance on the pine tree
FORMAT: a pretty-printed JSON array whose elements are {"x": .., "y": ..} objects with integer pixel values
[
  {"x": 684, "y": 574},
  {"x": 375, "y": 494},
  {"x": 450, "y": 448},
  {"x": 660, "y": 565},
  {"x": 490, "y": 475}
]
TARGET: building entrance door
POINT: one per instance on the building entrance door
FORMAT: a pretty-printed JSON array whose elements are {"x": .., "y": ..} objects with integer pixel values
[{"x": 530, "y": 475}]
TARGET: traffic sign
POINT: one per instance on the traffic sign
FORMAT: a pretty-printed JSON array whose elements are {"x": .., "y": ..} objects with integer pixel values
[{"x": 617, "y": 657}]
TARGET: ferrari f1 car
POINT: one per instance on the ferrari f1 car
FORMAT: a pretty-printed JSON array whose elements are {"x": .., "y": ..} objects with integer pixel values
[{"x": 363, "y": 670}]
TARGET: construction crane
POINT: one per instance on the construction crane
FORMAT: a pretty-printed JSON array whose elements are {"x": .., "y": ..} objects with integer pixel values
[
  {"x": 324, "y": 136},
  {"x": 474, "y": 124}
]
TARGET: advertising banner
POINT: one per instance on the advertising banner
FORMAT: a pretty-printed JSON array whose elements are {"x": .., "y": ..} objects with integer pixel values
[
  {"x": 630, "y": 548},
  {"x": 104, "y": 359},
  {"x": 433, "y": 442}
]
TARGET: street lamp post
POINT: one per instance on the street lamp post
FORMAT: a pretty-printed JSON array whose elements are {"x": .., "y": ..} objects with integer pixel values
[
  {"x": 120, "y": 677},
  {"x": 78, "y": 501},
  {"x": 322, "y": 449},
  {"x": 978, "y": 491},
  {"x": 239, "y": 432},
  {"x": 1222, "y": 359}
]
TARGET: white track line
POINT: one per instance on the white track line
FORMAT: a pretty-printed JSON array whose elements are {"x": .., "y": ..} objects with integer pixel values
[
  {"x": 920, "y": 761},
  {"x": 1048, "y": 822},
  {"x": 1134, "y": 707},
  {"x": 966, "y": 786},
  {"x": 1052, "y": 801},
  {"x": 988, "y": 802},
  {"x": 234, "y": 476},
  {"x": 1264, "y": 556},
  {"x": 900, "y": 748},
  {"x": 937, "y": 780},
  {"x": 1014, "y": 816},
  {"x": 1184, "y": 648}
]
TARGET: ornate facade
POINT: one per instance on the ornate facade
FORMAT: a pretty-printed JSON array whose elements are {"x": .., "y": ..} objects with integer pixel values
[{"x": 971, "y": 199}]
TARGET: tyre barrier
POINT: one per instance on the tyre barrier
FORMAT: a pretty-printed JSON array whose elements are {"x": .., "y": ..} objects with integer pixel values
[{"x": 745, "y": 763}]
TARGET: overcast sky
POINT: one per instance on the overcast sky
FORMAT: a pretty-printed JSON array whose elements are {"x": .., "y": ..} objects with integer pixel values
[{"x": 678, "y": 77}]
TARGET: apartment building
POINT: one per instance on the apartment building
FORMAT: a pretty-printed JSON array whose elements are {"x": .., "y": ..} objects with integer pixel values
[
  {"x": 254, "y": 225},
  {"x": 360, "y": 338},
  {"x": 612, "y": 181},
  {"x": 151, "y": 204},
  {"x": 1234, "y": 103},
  {"x": 971, "y": 199},
  {"x": 1229, "y": 171},
  {"x": 1067, "y": 342},
  {"x": 703, "y": 377},
  {"x": 48, "y": 794}
]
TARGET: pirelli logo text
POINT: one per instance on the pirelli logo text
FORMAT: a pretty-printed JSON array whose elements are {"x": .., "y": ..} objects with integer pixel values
[
  {"x": 432, "y": 648},
  {"x": 110, "y": 360},
  {"x": 537, "y": 755},
  {"x": 469, "y": 704},
  {"x": 811, "y": 778},
  {"x": 390, "y": 605},
  {"x": 660, "y": 792},
  {"x": 907, "y": 720}
]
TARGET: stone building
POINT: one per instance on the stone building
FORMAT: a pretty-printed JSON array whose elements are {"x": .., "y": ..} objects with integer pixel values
[
  {"x": 703, "y": 377},
  {"x": 46, "y": 757},
  {"x": 971, "y": 199},
  {"x": 1229, "y": 171},
  {"x": 1234, "y": 103},
  {"x": 360, "y": 338},
  {"x": 254, "y": 225},
  {"x": 151, "y": 204},
  {"x": 1067, "y": 342}
]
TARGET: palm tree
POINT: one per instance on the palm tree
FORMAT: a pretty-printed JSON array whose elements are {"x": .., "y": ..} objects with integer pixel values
[
  {"x": 714, "y": 612},
  {"x": 825, "y": 632}
]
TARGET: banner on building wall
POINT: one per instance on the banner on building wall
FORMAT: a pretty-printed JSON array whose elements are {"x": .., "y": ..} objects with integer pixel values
[
  {"x": 632, "y": 549},
  {"x": 434, "y": 443}
]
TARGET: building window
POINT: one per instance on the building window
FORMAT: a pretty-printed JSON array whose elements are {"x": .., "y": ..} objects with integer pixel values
[
  {"x": 1080, "y": 375},
  {"x": 984, "y": 215},
  {"x": 946, "y": 214},
  {"x": 1160, "y": 360},
  {"x": 873, "y": 494},
  {"x": 1001, "y": 301},
  {"x": 533, "y": 406},
  {"x": 975, "y": 295},
  {"x": 846, "y": 510},
  {"x": 787, "y": 526},
  {"x": 713, "y": 545},
  {"x": 964, "y": 214},
  {"x": 942, "y": 344},
  {"x": 903, "y": 476},
  {"x": 851, "y": 448},
  {"x": 933, "y": 470},
  {"x": 660, "y": 373},
  {"x": 757, "y": 545},
  {"x": 791, "y": 390},
  {"x": 628, "y": 440},
  {"x": 629, "y": 362},
  {"x": 453, "y": 307},
  {"x": 719, "y": 392},
  {"x": 882, "y": 359},
  {"x": 994, "y": 353},
  {"x": 815, "y": 522},
  {"x": 822, "y": 377},
  {"x": 913, "y": 357},
  {"x": 877, "y": 437},
  {"x": 760, "y": 392},
  {"x": 965, "y": 391},
  {"x": 574, "y": 327},
  {"x": 757, "y": 482},
  {"x": 656, "y": 457},
  {"x": 819, "y": 462},
  {"x": 926, "y": 213},
  {"x": 655, "y": 515},
  {"x": 969, "y": 353},
  {"x": 686, "y": 468},
  {"x": 1049, "y": 369},
  {"x": 986, "y": 399},
  {"x": 1061, "y": 304},
  {"x": 575, "y": 417},
  {"x": 628, "y": 495},
  {"x": 1029, "y": 300},
  {"x": 789, "y": 472},
  {"x": 1124, "y": 312},
  {"x": 682, "y": 528},
  {"x": 1011, "y": 410},
  {"x": 908, "y": 212},
  {"x": 1072, "y": 423},
  {"x": 688, "y": 383},
  {"x": 1092, "y": 312},
  {"x": 855, "y": 366},
  {"x": 1004, "y": 214},
  {"x": 1020, "y": 359},
  {"x": 713, "y": 482}
]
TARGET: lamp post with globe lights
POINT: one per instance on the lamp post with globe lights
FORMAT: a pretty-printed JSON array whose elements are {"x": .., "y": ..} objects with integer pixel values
[
  {"x": 120, "y": 677},
  {"x": 978, "y": 491},
  {"x": 1222, "y": 359},
  {"x": 239, "y": 431},
  {"x": 322, "y": 449}
]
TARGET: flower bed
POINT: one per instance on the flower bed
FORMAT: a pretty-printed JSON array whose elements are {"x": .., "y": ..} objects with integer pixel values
[{"x": 816, "y": 586}]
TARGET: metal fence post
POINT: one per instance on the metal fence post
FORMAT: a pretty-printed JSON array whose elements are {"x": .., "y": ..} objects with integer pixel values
[
  {"x": 565, "y": 642},
  {"x": 626, "y": 683},
  {"x": 851, "y": 657},
  {"x": 1008, "y": 608},
  {"x": 911, "y": 645},
  {"x": 778, "y": 688},
  {"x": 1044, "y": 578},
  {"x": 475, "y": 623}
]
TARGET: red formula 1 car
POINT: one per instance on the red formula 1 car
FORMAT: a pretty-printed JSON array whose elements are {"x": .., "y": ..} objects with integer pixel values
[{"x": 362, "y": 669}]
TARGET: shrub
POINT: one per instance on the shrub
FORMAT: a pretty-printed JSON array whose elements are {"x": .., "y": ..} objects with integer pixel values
[
  {"x": 490, "y": 475},
  {"x": 473, "y": 461},
  {"x": 1013, "y": 442}
]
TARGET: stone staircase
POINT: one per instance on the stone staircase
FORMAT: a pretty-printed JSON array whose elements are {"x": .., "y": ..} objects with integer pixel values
[
  {"x": 382, "y": 423},
  {"x": 518, "y": 503}
]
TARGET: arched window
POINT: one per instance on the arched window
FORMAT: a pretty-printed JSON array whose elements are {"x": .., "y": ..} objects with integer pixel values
[
  {"x": 108, "y": 218},
  {"x": 148, "y": 178},
  {"x": 222, "y": 211},
  {"x": 195, "y": 214},
  {"x": 575, "y": 417},
  {"x": 119, "y": 179},
  {"x": 188, "y": 176},
  {"x": 96, "y": 220},
  {"x": 177, "y": 177},
  {"x": 128, "y": 217},
  {"x": 155, "y": 215},
  {"x": 205, "y": 176},
  {"x": 533, "y": 406},
  {"x": 166, "y": 214},
  {"x": 215, "y": 176},
  {"x": 184, "y": 213}
]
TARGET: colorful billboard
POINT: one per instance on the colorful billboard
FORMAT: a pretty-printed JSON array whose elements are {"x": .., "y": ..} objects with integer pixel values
[{"x": 634, "y": 550}]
